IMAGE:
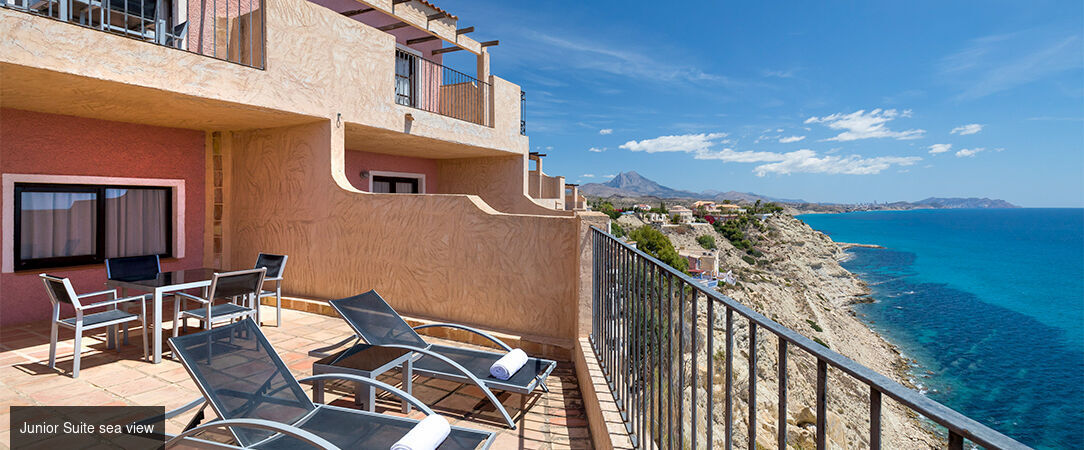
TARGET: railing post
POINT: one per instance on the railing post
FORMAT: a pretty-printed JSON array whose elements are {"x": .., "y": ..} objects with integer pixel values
[
  {"x": 874, "y": 418},
  {"x": 729, "y": 412},
  {"x": 822, "y": 404},
  {"x": 711, "y": 371},
  {"x": 782, "y": 415},
  {"x": 752, "y": 384}
]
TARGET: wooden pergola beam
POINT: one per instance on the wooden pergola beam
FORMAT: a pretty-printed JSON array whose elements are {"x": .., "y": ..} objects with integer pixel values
[
  {"x": 394, "y": 26},
  {"x": 489, "y": 43},
  {"x": 439, "y": 15},
  {"x": 464, "y": 31},
  {"x": 421, "y": 39},
  {"x": 441, "y": 51},
  {"x": 396, "y": 2},
  {"x": 355, "y": 12}
]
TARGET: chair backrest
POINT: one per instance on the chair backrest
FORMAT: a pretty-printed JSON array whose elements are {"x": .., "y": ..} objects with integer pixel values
[
  {"x": 132, "y": 267},
  {"x": 234, "y": 284},
  {"x": 242, "y": 377},
  {"x": 60, "y": 290},
  {"x": 373, "y": 319},
  {"x": 143, "y": 8},
  {"x": 275, "y": 264}
]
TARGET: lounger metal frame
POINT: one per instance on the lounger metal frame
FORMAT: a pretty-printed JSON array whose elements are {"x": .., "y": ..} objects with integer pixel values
[
  {"x": 282, "y": 429},
  {"x": 461, "y": 375}
]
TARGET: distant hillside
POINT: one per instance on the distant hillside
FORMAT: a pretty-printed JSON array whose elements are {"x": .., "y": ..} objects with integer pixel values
[
  {"x": 632, "y": 187},
  {"x": 632, "y": 184},
  {"x": 956, "y": 202}
]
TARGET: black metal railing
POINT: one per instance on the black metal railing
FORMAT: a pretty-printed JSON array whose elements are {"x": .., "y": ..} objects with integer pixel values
[
  {"x": 653, "y": 330},
  {"x": 230, "y": 30},
  {"x": 430, "y": 86},
  {"x": 522, "y": 113}
]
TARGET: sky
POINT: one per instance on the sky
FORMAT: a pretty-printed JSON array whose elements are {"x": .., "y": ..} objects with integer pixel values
[{"x": 843, "y": 102}]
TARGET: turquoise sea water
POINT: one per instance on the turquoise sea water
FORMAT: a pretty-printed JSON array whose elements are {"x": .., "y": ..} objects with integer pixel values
[{"x": 990, "y": 303}]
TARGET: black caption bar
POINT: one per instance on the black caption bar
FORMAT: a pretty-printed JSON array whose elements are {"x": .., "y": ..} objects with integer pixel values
[{"x": 59, "y": 427}]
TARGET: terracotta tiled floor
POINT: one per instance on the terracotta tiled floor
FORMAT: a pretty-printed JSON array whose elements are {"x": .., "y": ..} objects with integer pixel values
[{"x": 544, "y": 421}]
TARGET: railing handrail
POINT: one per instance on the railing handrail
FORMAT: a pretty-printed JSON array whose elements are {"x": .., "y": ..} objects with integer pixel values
[
  {"x": 941, "y": 414},
  {"x": 442, "y": 66}
]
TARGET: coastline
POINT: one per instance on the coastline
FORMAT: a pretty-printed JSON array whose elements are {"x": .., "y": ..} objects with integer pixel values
[{"x": 800, "y": 283}]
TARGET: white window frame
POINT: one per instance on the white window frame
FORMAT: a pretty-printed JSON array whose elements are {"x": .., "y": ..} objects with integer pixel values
[
  {"x": 9, "y": 180},
  {"x": 380, "y": 173}
]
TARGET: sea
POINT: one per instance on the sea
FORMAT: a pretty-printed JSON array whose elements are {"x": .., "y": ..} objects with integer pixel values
[{"x": 988, "y": 302}]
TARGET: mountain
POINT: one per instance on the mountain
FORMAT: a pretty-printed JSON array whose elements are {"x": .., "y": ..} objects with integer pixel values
[
  {"x": 956, "y": 202},
  {"x": 632, "y": 184}
]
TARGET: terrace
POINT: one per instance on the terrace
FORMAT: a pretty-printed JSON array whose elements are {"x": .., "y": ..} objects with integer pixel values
[
  {"x": 548, "y": 420},
  {"x": 652, "y": 333}
]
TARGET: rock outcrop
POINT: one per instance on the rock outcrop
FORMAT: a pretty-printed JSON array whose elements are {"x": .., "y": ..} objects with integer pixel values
[{"x": 798, "y": 282}]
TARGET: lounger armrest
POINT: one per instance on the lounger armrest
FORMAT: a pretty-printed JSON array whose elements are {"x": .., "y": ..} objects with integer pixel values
[
  {"x": 288, "y": 430},
  {"x": 463, "y": 370},
  {"x": 481, "y": 333},
  {"x": 194, "y": 403},
  {"x": 371, "y": 382}
]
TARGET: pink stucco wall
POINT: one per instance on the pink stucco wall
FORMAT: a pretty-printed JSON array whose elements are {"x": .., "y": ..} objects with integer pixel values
[
  {"x": 37, "y": 143},
  {"x": 357, "y": 161}
]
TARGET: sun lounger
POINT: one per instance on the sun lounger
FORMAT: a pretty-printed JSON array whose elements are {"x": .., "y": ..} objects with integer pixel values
[
  {"x": 262, "y": 405},
  {"x": 378, "y": 324}
]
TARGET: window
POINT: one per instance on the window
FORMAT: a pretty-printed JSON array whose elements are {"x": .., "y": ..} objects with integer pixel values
[
  {"x": 404, "y": 78},
  {"x": 63, "y": 225},
  {"x": 395, "y": 185}
]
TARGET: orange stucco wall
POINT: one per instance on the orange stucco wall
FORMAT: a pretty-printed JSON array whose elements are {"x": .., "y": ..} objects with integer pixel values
[
  {"x": 37, "y": 143},
  {"x": 357, "y": 161}
]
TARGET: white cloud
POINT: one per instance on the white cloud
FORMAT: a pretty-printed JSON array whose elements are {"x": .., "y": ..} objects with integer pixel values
[
  {"x": 862, "y": 125},
  {"x": 609, "y": 176},
  {"x": 807, "y": 161},
  {"x": 997, "y": 63},
  {"x": 701, "y": 146},
  {"x": 596, "y": 149},
  {"x": 788, "y": 140},
  {"x": 588, "y": 175},
  {"x": 964, "y": 130},
  {"x": 939, "y": 148},
  {"x": 606, "y": 131},
  {"x": 967, "y": 153},
  {"x": 688, "y": 143}
]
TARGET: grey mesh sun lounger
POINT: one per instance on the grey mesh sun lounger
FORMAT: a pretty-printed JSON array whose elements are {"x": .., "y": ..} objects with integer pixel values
[
  {"x": 263, "y": 406},
  {"x": 378, "y": 324}
]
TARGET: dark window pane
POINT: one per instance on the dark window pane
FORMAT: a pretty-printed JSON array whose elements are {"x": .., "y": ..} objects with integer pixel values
[
  {"x": 382, "y": 187},
  {"x": 57, "y": 224},
  {"x": 136, "y": 222}
]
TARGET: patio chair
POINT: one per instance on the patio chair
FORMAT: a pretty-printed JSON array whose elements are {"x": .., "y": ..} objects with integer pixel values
[
  {"x": 260, "y": 403},
  {"x": 275, "y": 265},
  {"x": 243, "y": 284},
  {"x": 60, "y": 291},
  {"x": 378, "y": 324},
  {"x": 132, "y": 268}
]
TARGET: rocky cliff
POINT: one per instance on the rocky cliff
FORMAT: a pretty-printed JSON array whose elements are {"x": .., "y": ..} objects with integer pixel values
[{"x": 798, "y": 282}]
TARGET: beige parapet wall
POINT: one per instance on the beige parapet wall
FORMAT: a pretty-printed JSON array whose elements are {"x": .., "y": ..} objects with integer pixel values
[
  {"x": 319, "y": 64},
  {"x": 451, "y": 257}
]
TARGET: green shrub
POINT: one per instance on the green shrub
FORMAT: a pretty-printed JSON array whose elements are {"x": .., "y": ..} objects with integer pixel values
[
  {"x": 617, "y": 230},
  {"x": 654, "y": 243},
  {"x": 748, "y": 259},
  {"x": 819, "y": 341},
  {"x": 815, "y": 326},
  {"x": 707, "y": 241}
]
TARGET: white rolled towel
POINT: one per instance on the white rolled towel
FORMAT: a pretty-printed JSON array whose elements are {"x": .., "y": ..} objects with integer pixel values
[
  {"x": 509, "y": 364},
  {"x": 426, "y": 435}
]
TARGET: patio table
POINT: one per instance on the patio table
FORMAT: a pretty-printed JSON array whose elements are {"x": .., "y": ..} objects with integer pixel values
[
  {"x": 160, "y": 285},
  {"x": 368, "y": 361}
]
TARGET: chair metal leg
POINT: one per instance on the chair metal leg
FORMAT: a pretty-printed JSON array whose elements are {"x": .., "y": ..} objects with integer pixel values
[
  {"x": 278, "y": 304},
  {"x": 408, "y": 382},
  {"x": 143, "y": 327},
  {"x": 52, "y": 346},
  {"x": 124, "y": 293},
  {"x": 78, "y": 348}
]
